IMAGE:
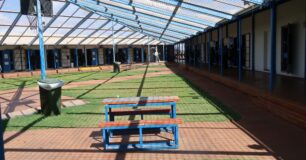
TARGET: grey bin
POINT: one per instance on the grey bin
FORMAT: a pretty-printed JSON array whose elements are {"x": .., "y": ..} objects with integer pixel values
[
  {"x": 116, "y": 67},
  {"x": 50, "y": 91}
]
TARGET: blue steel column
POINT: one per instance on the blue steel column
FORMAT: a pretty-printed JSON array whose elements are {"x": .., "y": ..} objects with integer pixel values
[
  {"x": 97, "y": 56},
  {"x": 273, "y": 47},
  {"x": 220, "y": 30},
  {"x": 76, "y": 58},
  {"x": 208, "y": 51},
  {"x": 239, "y": 39},
  {"x": 253, "y": 43},
  {"x": 128, "y": 54},
  {"x": 305, "y": 55},
  {"x": 114, "y": 47},
  {"x": 149, "y": 52},
  {"x": 142, "y": 55},
  {"x": 54, "y": 58},
  {"x": 1, "y": 139},
  {"x": 29, "y": 59},
  {"x": 41, "y": 40},
  {"x": 164, "y": 52}
]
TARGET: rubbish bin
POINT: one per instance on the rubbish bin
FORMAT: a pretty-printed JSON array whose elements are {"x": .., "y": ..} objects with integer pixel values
[
  {"x": 116, "y": 66},
  {"x": 50, "y": 91}
]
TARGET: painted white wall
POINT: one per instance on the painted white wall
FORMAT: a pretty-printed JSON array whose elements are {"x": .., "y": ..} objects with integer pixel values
[
  {"x": 65, "y": 62},
  {"x": 292, "y": 12},
  {"x": 101, "y": 56},
  {"x": 262, "y": 25},
  {"x": 19, "y": 59}
]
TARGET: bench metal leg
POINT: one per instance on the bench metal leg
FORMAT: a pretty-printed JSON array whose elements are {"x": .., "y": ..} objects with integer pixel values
[
  {"x": 141, "y": 116},
  {"x": 104, "y": 136},
  {"x": 140, "y": 137},
  {"x": 176, "y": 135}
]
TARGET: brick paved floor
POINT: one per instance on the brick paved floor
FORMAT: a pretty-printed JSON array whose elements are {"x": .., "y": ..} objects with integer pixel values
[
  {"x": 285, "y": 139},
  {"x": 199, "y": 140}
]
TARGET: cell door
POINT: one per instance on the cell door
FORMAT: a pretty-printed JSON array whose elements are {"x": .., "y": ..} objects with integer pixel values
[
  {"x": 108, "y": 56},
  {"x": 50, "y": 59},
  {"x": 89, "y": 57},
  {"x": 95, "y": 57},
  {"x": 137, "y": 55},
  {"x": 57, "y": 58},
  {"x": 286, "y": 49},
  {"x": 7, "y": 60}
]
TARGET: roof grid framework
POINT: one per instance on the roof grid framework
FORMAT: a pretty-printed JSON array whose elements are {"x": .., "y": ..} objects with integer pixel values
[{"x": 137, "y": 19}]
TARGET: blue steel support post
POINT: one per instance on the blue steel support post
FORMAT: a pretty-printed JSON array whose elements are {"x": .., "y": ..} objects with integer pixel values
[
  {"x": 176, "y": 136},
  {"x": 140, "y": 137},
  {"x": 149, "y": 52},
  {"x": 173, "y": 110},
  {"x": 273, "y": 47},
  {"x": 142, "y": 55},
  {"x": 164, "y": 52},
  {"x": 221, "y": 50},
  {"x": 128, "y": 54},
  {"x": 1, "y": 139},
  {"x": 54, "y": 58},
  {"x": 305, "y": 54},
  {"x": 208, "y": 51},
  {"x": 97, "y": 56},
  {"x": 76, "y": 58},
  {"x": 239, "y": 39},
  {"x": 41, "y": 40},
  {"x": 253, "y": 43},
  {"x": 29, "y": 59},
  {"x": 106, "y": 113}
]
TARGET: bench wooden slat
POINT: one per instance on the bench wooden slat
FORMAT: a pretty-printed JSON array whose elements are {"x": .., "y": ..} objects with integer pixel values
[
  {"x": 140, "y": 100},
  {"x": 141, "y": 111},
  {"x": 140, "y": 122}
]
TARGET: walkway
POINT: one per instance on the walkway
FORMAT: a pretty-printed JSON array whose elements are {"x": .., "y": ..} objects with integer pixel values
[
  {"x": 257, "y": 135},
  {"x": 285, "y": 139},
  {"x": 197, "y": 141}
]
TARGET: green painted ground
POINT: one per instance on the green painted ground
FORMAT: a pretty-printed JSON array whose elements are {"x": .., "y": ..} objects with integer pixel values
[
  {"x": 14, "y": 83},
  {"x": 195, "y": 105}
]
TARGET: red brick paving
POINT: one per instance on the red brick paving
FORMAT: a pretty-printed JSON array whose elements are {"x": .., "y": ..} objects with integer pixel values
[
  {"x": 285, "y": 139},
  {"x": 258, "y": 135},
  {"x": 199, "y": 140}
]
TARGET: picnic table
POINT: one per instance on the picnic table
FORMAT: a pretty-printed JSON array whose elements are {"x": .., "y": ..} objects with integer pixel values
[
  {"x": 132, "y": 102},
  {"x": 170, "y": 124}
]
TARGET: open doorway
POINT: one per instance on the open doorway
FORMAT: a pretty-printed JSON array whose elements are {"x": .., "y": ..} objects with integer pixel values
[
  {"x": 137, "y": 55},
  {"x": 33, "y": 60},
  {"x": 122, "y": 55},
  {"x": 92, "y": 57},
  {"x": 287, "y": 55},
  {"x": 7, "y": 60},
  {"x": 108, "y": 54},
  {"x": 89, "y": 57},
  {"x": 77, "y": 58},
  {"x": 54, "y": 58}
]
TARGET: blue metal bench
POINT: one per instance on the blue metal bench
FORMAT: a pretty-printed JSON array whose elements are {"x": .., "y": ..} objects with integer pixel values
[{"x": 141, "y": 125}]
